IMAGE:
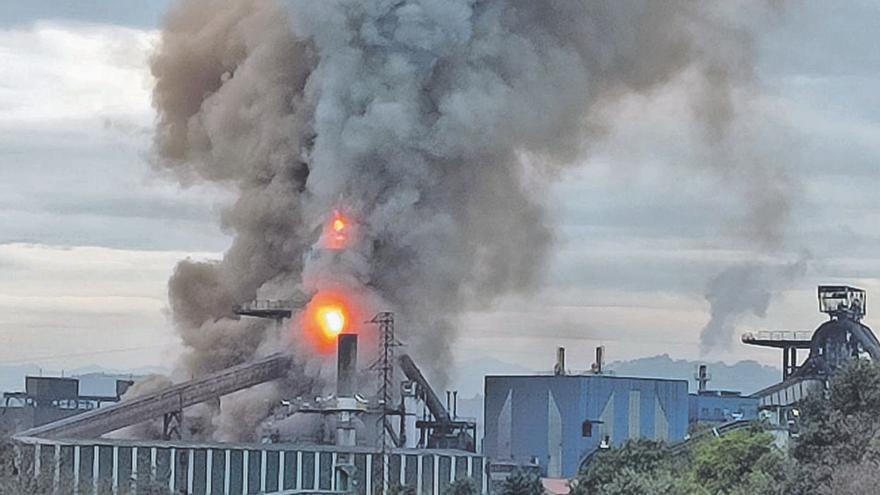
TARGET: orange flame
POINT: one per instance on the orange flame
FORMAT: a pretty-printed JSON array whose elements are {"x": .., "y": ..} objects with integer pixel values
[
  {"x": 332, "y": 319},
  {"x": 327, "y": 315},
  {"x": 337, "y": 232}
]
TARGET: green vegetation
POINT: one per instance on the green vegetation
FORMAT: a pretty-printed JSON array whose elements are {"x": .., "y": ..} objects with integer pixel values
[
  {"x": 522, "y": 483},
  {"x": 740, "y": 463},
  {"x": 464, "y": 486},
  {"x": 838, "y": 446},
  {"x": 837, "y": 452}
]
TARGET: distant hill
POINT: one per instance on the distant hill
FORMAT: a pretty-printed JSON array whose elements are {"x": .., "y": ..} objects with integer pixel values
[
  {"x": 468, "y": 375},
  {"x": 743, "y": 376}
]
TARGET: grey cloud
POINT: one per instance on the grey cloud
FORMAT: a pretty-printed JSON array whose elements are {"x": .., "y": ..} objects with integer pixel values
[
  {"x": 423, "y": 120},
  {"x": 80, "y": 185}
]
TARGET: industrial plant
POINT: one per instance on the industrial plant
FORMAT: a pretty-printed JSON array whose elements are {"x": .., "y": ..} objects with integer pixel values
[
  {"x": 388, "y": 247},
  {"x": 384, "y": 425},
  {"x": 402, "y": 434}
]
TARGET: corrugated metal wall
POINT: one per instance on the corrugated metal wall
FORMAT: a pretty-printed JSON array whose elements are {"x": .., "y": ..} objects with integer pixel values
[
  {"x": 116, "y": 467},
  {"x": 522, "y": 423}
]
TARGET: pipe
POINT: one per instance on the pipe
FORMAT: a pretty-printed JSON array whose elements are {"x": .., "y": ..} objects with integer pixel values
[{"x": 433, "y": 402}]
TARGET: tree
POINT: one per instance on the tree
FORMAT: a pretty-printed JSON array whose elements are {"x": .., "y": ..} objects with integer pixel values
[
  {"x": 463, "y": 486},
  {"x": 666, "y": 481},
  {"x": 839, "y": 439},
  {"x": 632, "y": 459},
  {"x": 636, "y": 467},
  {"x": 853, "y": 479},
  {"x": 743, "y": 460},
  {"x": 522, "y": 483},
  {"x": 841, "y": 425}
]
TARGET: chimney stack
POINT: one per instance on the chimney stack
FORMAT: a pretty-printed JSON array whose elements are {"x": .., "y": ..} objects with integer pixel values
[
  {"x": 702, "y": 377},
  {"x": 559, "y": 367},
  {"x": 346, "y": 365},
  {"x": 599, "y": 366}
]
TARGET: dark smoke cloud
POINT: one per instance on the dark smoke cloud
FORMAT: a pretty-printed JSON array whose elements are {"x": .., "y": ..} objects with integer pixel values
[{"x": 435, "y": 124}]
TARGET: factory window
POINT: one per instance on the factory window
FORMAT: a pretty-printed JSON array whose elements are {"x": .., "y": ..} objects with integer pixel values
[{"x": 587, "y": 428}]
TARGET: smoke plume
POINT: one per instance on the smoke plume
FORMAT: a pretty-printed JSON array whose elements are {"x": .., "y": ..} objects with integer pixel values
[
  {"x": 742, "y": 290},
  {"x": 434, "y": 124}
]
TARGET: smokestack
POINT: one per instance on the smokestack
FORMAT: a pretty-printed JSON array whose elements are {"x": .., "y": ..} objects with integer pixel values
[
  {"x": 559, "y": 368},
  {"x": 599, "y": 365},
  {"x": 455, "y": 404},
  {"x": 702, "y": 377},
  {"x": 346, "y": 365}
]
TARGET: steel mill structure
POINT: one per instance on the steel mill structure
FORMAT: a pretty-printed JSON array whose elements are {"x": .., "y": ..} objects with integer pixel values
[
  {"x": 47, "y": 399},
  {"x": 130, "y": 467},
  {"x": 555, "y": 422},
  {"x": 166, "y": 403},
  {"x": 842, "y": 338},
  {"x": 717, "y": 407},
  {"x": 385, "y": 426},
  {"x": 423, "y": 445}
]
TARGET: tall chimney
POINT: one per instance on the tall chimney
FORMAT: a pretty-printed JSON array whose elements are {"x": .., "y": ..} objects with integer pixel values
[
  {"x": 599, "y": 366},
  {"x": 702, "y": 378},
  {"x": 346, "y": 365},
  {"x": 559, "y": 367}
]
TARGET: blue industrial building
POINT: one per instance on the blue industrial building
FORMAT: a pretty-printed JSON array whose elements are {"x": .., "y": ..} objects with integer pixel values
[
  {"x": 721, "y": 406},
  {"x": 557, "y": 421}
]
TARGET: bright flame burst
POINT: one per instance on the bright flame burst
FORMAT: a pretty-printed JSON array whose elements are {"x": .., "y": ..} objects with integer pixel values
[
  {"x": 332, "y": 319},
  {"x": 329, "y": 313},
  {"x": 337, "y": 232}
]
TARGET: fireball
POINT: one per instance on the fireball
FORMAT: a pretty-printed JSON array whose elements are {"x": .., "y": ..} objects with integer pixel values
[
  {"x": 331, "y": 319},
  {"x": 328, "y": 314}
]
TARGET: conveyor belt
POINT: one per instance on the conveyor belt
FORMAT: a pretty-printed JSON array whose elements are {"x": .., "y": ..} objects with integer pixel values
[{"x": 95, "y": 423}]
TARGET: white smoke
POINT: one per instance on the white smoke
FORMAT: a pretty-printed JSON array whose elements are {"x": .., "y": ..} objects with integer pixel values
[{"x": 434, "y": 124}]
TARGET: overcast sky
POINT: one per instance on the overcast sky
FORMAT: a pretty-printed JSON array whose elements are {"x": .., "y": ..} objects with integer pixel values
[{"x": 89, "y": 233}]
